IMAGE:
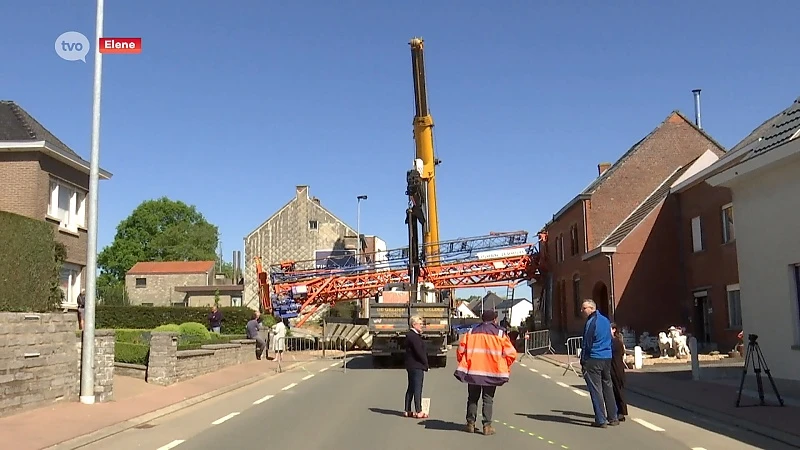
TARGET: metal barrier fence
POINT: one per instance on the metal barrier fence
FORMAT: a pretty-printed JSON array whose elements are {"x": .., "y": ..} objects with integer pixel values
[
  {"x": 294, "y": 349},
  {"x": 574, "y": 345},
  {"x": 537, "y": 341}
]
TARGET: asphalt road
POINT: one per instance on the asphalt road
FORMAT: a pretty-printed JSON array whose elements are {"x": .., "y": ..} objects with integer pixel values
[{"x": 319, "y": 406}]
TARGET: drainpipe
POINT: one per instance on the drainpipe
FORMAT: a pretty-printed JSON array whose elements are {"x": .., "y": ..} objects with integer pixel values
[
  {"x": 585, "y": 228},
  {"x": 612, "y": 300}
]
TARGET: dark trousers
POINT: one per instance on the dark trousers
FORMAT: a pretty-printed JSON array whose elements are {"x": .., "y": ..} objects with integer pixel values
[
  {"x": 475, "y": 393},
  {"x": 619, "y": 394},
  {"x": 260, "y": 346},
  {"x": 597, "y": 373},
  {"x": 414, "y": 390}
]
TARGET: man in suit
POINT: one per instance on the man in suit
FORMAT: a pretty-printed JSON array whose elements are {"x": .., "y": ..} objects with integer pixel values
[{"x": 416, "y": 362}]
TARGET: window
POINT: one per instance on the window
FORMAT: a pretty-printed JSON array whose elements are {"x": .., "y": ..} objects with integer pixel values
[
  {"x": 67, "y": 204},
  {"x": 728, "y": 233},
  {"x": 573, "y": 231},
  {"x": 69, "y": 280},
  {"x": 558, "y": 249},
  {"x": 796, "y": 270},
  {"x": 561, "y": 247},
  {"x": 237, "y": 301},
  {"x": 141, "y": 282},
  {"x": 697, "y": 234},
  {"x": 576, "y": 294},
  {"x": 312, "y": 225},
  {"x": 734, "y": 307}
]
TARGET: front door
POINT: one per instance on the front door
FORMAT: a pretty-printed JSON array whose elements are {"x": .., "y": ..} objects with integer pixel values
[{"x": 702, "y": 320}]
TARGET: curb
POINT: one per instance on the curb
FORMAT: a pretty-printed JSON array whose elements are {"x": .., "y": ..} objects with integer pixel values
[
  {"x": 774, "y": 434},
  {"x": 117, "y": 428}
]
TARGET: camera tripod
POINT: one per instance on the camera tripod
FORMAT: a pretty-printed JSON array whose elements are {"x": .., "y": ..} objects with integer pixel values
[{"x": 755, "y": 358}]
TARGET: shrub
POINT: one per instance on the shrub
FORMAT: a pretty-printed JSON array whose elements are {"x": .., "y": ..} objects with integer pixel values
[
  {"x": 126, "y": 352},
  {"x": 108, "y": 316},
  {"x": 133, "y": 336},
  {"x": 195, "y": 330},
  {"x": 168, "y": 327},
  {"x": 29, "y": 283}
]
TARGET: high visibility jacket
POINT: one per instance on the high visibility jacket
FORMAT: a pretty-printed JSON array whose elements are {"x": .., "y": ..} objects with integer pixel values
[{"x": 485, "y": 355}]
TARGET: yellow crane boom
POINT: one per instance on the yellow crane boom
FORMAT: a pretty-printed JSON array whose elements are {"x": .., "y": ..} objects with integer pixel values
[{"x": 423, "y": 139}]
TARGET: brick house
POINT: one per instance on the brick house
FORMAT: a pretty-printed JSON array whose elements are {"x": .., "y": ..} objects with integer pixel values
[
  {"x": 614, "y": 242},
  {"x": 707, "y": 241},
  {"x": 42, "y": 178},
  {"x": 179, "y": 283}
]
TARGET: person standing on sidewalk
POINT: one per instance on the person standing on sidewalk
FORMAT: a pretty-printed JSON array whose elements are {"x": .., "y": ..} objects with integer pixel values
[
  {"x": 416, "y": 362},
  {"x": 618, "y": 371},
  {"x": 253, "y": 327},
  {"x": 596, "y": 365},
  {"x": 485, "y": 355},
  {"x": 215, "y": 319}
]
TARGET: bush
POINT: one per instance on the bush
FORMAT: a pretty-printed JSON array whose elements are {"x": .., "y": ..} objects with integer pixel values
[
  {"x": 29, "y": 283},
  {"x": 126, "y": 352},
  {"x": 108, "y": 316},
  {"x": 195, "y": 330},
  {"x": 168, "y": 327},
  {"x": 132, "y": 336}
]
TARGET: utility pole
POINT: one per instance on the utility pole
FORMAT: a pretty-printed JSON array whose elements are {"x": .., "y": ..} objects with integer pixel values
[
  {"x": 87, "y": 353},
  {"x": 363, "y": 303}
]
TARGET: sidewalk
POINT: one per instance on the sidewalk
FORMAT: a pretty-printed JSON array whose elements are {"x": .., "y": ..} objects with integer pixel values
[
  {"x": 73, "y": 424},
  {"x": 717, "y": 400}
]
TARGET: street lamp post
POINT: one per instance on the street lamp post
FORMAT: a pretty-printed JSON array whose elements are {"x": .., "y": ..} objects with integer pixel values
[
  {"x": 87, "y": 354},
  {"x": 358, "y": 227}
]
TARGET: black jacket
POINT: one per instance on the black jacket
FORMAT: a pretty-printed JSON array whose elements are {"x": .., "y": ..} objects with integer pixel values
[{"x": 416, "y": 357}]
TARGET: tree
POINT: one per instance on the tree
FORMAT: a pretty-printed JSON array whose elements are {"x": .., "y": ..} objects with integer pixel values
[{"x": 158, "y": 230}]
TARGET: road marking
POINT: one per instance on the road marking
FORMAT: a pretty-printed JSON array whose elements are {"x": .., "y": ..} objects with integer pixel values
[
  {"x": 544, "y": 375},
  {"x": 580, "y": 392},
  {"x": 523, "y": 365},
  {"x": 698, "y": 448},
  {"x": 263, "y": 399},
  {"x": 562, "y": 384},
  {"x": 286, "y": 388},
  {"x": 323, "y": 369},
  {"x": 334, "y": 364},
  {"x": 223, "y": 419},
  {"x": 647, "y": 424},
  {"x": 172, "y": 444},
  {"x": 531, "y": 434},
  {"x": 532, "y": 369},
  {"x": 309, "y": 376}
]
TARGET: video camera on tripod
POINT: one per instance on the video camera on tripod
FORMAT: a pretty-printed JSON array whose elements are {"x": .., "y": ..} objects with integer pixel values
[{"x": 758, "y": 362}]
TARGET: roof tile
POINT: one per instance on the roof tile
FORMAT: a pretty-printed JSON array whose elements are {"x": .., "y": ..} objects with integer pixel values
[{"x": 17, "y": 125}]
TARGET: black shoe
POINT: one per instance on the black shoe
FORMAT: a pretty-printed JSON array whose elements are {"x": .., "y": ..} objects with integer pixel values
[
  {"x": 621, "y": 418},
  {"x": 599, "y": 425},
  {"x": 613, "y": 423}
]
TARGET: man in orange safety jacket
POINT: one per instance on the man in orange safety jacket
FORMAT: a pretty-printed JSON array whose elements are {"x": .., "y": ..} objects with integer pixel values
[{"x": 485, "y": 355}]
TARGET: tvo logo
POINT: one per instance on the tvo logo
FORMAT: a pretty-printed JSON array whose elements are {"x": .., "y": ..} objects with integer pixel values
[{"x": 72, "y": 46}]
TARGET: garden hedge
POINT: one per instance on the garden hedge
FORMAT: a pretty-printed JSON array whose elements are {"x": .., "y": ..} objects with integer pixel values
[
  {"x": 149, "y": 317},
  {"x": 29, "y": 265}
]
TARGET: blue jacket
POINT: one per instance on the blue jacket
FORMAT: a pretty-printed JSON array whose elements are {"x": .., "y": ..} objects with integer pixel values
[{"x": 596, "y": 338}]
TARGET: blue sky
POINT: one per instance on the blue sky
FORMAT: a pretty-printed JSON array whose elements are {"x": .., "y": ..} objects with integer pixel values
[{"x": 229, "y": 107}]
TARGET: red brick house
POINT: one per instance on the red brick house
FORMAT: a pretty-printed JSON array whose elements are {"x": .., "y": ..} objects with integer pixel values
[
  {"x": 42, "y": 178},
  {"x": 615, "y": 242}
]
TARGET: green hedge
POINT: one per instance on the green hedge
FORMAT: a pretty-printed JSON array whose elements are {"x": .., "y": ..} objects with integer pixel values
[
  {"x": 29, "y": 265},
  {"x": 126, "y": 352},
  {"x": 150, "y": 317}
]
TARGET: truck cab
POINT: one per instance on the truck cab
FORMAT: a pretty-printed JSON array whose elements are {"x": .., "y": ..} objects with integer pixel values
[{"x": 389, "y": 313}]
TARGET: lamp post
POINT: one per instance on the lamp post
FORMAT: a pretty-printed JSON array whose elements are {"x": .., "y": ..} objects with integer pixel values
[
  {"x": 87, "y": 355},
  {"x": 358, "y": 227}
]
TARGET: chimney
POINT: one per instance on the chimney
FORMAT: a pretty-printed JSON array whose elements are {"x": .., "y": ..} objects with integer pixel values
[
  {"x": 315, "y": 200},
  {"x": 602, "y": 167},
  {"x": 302, "y": 191},
  {"x": 697, "y": 121}
]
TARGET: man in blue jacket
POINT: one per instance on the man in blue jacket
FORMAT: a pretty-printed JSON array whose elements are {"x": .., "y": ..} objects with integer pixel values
[{"x": 596, "y": 365}]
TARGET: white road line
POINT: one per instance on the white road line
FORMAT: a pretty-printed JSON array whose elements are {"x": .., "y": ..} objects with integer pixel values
[
  {"x": 544, "y": 375},
  {"x": 223, "y": 419},
  {"x": 309, "y": 376},
  {"x": 523, "y": 365},
  {"x": 335, "y": 364},
  {"x": 172, "y": 444},
  {"x": 532, "y": 369},
  {"x": 323, "y": 369},
  {"x": 647, "y": 424},
  {"x": 580, "y": 392},
  {"x": 286, "y": 388},
  {"x": 263, "y": 399},
  {"x": 562, "y": 384},
  {"x": 698, "y": 448}
]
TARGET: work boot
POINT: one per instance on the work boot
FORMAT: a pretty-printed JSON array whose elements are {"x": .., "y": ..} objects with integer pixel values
[
  {"x": 470, "y": 427},
  {"x": 488, "y": 429}
]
